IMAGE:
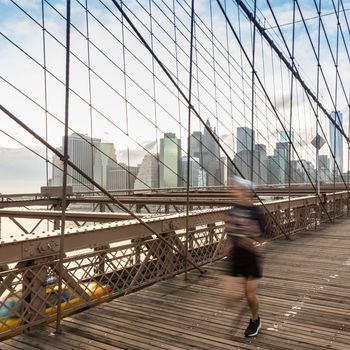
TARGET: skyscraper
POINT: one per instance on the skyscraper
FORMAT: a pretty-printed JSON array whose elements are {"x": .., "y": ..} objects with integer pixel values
[
  {"x": 104, "y": 161},
  {"x": 121, "y": 176},
  {"x": 284, "y": 136},
  {"x": 98, "y": 162},
  {"x": 170, "y": 161},
  {"x": 211, "y": 157},
  {"x": 260, "y": 158},
  {"x": 196, "y": 147},
  {"x": 243, "y": 162},
  {"x": 244, "y": 138},
  {"x": 83, "y": 155},
  {"x": 147, "y": 173},
  {"x": 198, "y": 176},
  {"x": 244, "y": 155},
  {"x": 57, "y": 169},
  {"x": 336, "y": 142},
  {"x": 324, "y": 168}
]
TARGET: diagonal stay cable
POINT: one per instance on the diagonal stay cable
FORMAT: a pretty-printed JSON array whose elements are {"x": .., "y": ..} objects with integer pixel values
[
  {"x": 43, "y": 158},
  {"x": 337, "y": 11},
  {"x": 89, "y": 69},
  {"x": 297, "y": 75},
  {"x": 322, "y": 73},
  {"x": 103, "y": 190},
  {"x": 76, "y": 132},
  {"x": 179, "y": 82},
  {"x": 289, "y": 66},
  {"x": 192, "y": 107},
  {"x": 270, "y": 101},
  {"x": 314, "y": 51},
  {"x": 145, "y": 67}
]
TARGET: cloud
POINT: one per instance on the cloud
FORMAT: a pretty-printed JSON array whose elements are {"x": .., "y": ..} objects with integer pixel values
[
  {"x": 21, "y": 171},
  {"x": 135, "y": 155},
  {"x": 132, "y": 125}
]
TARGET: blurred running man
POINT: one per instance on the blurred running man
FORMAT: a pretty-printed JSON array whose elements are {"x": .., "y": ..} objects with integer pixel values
[{"x": 244, "y": 227}]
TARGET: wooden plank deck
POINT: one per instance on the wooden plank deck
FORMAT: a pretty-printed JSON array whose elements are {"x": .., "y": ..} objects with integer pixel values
[{"x": 304, "y": 297}]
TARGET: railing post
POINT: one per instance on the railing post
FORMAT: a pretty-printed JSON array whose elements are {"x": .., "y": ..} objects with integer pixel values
[
  {"x": 34, "y": 292},
  {"x": 57, "y": 222},
  {"x": 99, "y": 268},
  {"x": 102, "y": 207},
  {"x": 137, "y": 250}
]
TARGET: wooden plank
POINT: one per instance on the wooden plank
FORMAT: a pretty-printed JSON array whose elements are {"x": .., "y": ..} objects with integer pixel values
[
  {"x": 7, "y": 346},
  {"x": 61, "y": 341},
  {"x": 309, "y": 276},
  {"x": 27, "y": 343}
]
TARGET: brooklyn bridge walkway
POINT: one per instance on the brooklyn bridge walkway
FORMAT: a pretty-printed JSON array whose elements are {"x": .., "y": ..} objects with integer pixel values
[{"x": 304, "y": 299}]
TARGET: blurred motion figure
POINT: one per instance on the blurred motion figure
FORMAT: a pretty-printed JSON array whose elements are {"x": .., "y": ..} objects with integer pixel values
[{"x": 244, "y": 228}]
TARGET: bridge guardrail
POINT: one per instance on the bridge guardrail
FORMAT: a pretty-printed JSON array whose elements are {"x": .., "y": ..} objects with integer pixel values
[{"x": 108, "y": 260}]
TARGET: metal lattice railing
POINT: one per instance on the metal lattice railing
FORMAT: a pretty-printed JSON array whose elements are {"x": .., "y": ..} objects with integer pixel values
[{"x": 29, "y": 289}]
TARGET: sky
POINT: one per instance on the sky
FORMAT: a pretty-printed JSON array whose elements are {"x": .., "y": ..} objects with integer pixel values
[{"x": 153, "y": 105}]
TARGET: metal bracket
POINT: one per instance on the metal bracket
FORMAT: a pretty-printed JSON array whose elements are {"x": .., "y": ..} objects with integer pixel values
[{"x": 33, "y": 249}]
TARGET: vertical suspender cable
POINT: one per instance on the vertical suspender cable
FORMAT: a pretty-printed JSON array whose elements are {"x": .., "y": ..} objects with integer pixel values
[
  {"x": 215, "y": 181},
  {"x": 253, "y": 101},
  {"x": 337, "y": 117},
  {"x": 45, "y": 96},
  {"x": 177, "y": 79},
  {"x": 230, "y": 87},
  {"x": 334, "y": 160},
  {"x": 128, "y": 185},
  {"x": 65, "y": 168},
  {"x": 241, "y": 57},
  {"x": 262, "y": 177},
  {"x": 154, "y": 91},
  {"x": 93, "y": 152},
  {"x": 203, "y": 173},
  {"x": 265, "y": 91},
  {"x": 290, "y": 121},
  {"x": 348, "y": 174},
  {"x": 348, "y": 167},
  {"x": 185, "y": 97},
  {"x": 189, "y": 135},
  {"x": 311, "y": 96},
  {"x": 318, "y": 190}
]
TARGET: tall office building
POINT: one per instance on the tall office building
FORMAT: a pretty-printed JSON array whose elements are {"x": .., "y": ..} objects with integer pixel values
[
  {"x": 147, "y": 173},
  {"x": 244, "y": 156},
  {"x": 243, "y": 162},
  {"x": 309, "y": 170},
  {"x": 297, "y": 172},
  {"x": 324, "y": 168},
  {"x": 284, "y": 135},
  {"x": 244, "y": 138},
  {"x": 336, "y": 142},
  {"x": 57, "y": 169},
  {"x": 196, "y": 147},
  {"x": 83, "y": 155},
  {"x": 211, "y": 157},
  {"x": 170, "y": 161},
  {"x": 260, "y": 168},
  {"x": 281, "y": 157},
  {"x": 121, "y": 176},
  {"x": 105, "y": 160},
  {"x": 274, "y": 174},
  {"x": 198, "y": 176},
  {"x": 277, "y": 164},
  {"x": 98, "y": 162}
]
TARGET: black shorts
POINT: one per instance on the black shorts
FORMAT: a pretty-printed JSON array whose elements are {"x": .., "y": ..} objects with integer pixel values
[{"x": 244, "y": 263}]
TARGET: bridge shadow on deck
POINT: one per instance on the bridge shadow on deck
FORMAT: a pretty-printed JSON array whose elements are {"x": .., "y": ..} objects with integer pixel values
[{"x": 304, "y": 299}]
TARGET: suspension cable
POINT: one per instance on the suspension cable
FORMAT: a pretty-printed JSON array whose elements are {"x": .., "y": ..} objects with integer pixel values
[{"x": 65, "y": 171}]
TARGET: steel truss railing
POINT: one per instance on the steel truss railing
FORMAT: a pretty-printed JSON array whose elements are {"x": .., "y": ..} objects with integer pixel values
[{"x": 104, "y": 261}]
